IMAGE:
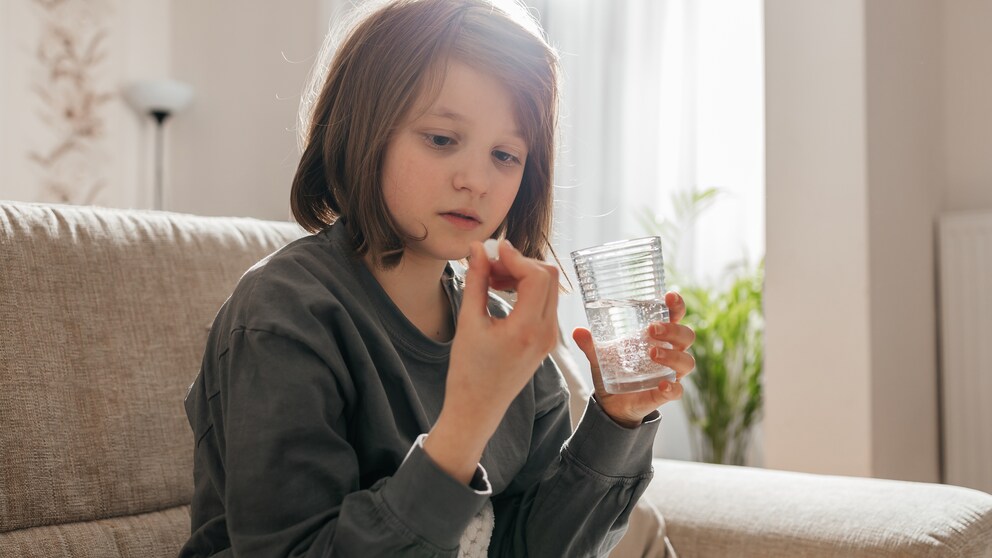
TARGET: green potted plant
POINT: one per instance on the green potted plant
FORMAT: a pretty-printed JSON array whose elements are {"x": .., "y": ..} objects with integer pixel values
[{"x": 723, "y": 396}]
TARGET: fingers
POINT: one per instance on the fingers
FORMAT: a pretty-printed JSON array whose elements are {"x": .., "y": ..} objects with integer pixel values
[
  {"x": 641, "y": 403},
  {"x": 678, "y": 335},
  {"x": 537, "y": 286},
  {"x": 667, "y": 391},
  {"x": 676, "y": 306},
  {"x": 475, "y": 299},
  {"x": 583, "y": 339},
  {"x": 681, "y": 362},
  {"x": 500, "y": 278}
]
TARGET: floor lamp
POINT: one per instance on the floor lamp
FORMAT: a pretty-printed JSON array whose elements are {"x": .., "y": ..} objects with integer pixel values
[{"x": 158, "y": 99}]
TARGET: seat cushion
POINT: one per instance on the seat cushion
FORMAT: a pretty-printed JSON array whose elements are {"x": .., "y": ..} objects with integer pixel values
[{"x": 148, "y": 535}]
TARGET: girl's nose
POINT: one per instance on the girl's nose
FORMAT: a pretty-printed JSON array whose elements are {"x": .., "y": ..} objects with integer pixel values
[{"x": 473, "y": 175}]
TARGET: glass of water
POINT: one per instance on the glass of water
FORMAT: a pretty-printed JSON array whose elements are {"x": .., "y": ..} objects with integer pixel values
[{"x": 623, "y": 288}]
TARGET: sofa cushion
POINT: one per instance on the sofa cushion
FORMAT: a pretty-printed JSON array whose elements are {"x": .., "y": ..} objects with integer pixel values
[
  {"x": 103, "y": 319},
  {"x": 148, "y": 535}
]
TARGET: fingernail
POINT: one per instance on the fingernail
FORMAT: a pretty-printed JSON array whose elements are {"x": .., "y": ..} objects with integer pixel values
[
  {"x": 658, "y": 329},
  {"x": 668, "y": 388}
]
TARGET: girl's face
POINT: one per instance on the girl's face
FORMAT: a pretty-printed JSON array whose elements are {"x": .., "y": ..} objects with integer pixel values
[{"x": 453, "y": 170}]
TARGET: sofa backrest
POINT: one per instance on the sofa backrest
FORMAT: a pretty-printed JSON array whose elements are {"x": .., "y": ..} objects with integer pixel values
[{"x": 103, "y": 320}]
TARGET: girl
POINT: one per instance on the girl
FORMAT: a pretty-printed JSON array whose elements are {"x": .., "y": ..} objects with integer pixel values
[{"x": 339, "y": 411}]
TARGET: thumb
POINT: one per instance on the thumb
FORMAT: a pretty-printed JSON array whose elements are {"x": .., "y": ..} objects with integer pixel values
[
  {"x": 475, "y": 299},
  {"x": 583, "y": 338}
]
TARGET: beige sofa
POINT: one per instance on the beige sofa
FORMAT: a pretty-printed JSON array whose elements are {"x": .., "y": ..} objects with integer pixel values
[{"x": 103, "y": 315}]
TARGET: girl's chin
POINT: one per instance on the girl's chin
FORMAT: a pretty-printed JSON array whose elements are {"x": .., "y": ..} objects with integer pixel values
[{"x": 446, "y": 253}]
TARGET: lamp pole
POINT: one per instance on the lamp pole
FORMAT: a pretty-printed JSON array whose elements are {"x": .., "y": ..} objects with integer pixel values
[{"x": 159, "y": 116}]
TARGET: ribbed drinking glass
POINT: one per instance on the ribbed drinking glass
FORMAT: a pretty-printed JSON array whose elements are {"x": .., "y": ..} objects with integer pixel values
[{"x": 623, "y": 288}]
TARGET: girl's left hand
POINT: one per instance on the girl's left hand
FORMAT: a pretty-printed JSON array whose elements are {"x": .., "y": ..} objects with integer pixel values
[{"x": 629, "y": 409}]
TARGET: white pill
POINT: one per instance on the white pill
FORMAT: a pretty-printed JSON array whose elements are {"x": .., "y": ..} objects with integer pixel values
[{"x": 492, "y": 249}]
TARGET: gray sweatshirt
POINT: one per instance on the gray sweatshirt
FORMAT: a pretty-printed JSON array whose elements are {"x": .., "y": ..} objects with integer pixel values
[{"x": 313, "y": 390}]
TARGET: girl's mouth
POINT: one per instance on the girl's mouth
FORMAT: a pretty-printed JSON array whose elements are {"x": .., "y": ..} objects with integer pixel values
[{"x": 461, "y": 220}]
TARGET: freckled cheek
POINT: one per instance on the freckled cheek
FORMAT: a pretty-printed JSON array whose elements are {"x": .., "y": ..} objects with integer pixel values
[
  {"x": 402, "y": 200},
  {"x": 405, "y": 182},
  {"x": 398, "y": 196}
]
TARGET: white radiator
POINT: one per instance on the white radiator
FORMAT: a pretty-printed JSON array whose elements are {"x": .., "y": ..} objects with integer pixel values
[{"x": 965, "y": 285}]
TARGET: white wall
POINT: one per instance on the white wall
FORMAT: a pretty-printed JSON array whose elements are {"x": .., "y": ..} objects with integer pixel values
[
  {"x": 149, "y": 57},
  {"x": 817, "y": 363},
  {"x": 903, "y": 132},
  {"x": 879, "y": 118},
  {"x": 967, "y": 104},
  {"x": 234, "y": 152}
]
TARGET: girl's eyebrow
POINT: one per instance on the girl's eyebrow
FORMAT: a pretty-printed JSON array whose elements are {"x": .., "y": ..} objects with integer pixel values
[
  {"x": 442, "y": 112},
  {"x": 447, "y": 113}
]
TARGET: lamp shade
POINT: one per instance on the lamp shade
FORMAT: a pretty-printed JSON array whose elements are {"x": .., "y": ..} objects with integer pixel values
[{"x": 160, "y": 95}]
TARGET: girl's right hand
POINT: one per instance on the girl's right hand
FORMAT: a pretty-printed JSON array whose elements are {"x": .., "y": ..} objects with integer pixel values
[{"x": 492, "y": 359}]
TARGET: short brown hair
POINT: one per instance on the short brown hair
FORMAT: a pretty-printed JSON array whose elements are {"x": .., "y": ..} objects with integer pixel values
[{"x": 392, "y": 56}]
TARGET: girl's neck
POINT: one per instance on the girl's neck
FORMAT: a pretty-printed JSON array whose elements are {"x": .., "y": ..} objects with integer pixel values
[{"x": 414, "y": 286}]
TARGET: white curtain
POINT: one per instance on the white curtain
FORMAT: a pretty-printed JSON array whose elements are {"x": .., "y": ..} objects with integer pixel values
[
  {"x": 627, "y": 120},
  {"x": 659, "y": 96},
  {"x": 627, "y": 117},
  {"x": 627, "y": 132}
]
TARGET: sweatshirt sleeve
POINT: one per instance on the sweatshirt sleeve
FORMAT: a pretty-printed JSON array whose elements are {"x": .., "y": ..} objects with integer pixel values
[
  {"x": 292, "y": 478},
  {"x": 580, "y": 504}
]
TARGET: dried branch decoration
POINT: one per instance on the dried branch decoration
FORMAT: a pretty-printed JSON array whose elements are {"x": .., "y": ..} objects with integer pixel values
[{"x": 70, "y": 52}]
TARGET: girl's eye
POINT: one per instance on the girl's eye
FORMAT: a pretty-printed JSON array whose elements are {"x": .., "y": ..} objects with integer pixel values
[
  {"x": 505, "y": 158},
  {"x": 437, "y": 141}
]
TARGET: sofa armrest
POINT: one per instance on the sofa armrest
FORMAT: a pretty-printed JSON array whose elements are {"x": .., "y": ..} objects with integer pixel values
[{"x": 717, "y": 510}]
